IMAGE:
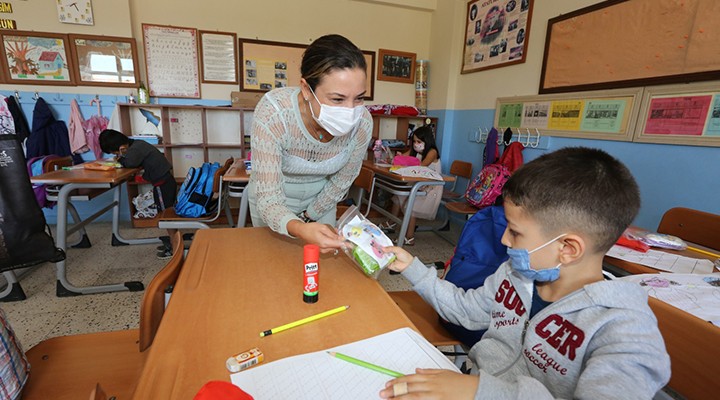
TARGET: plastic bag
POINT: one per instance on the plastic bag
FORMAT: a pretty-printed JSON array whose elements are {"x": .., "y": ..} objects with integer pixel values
[
  {"x": 366, "y": 241},
  {"x": 654, "y": 239}
]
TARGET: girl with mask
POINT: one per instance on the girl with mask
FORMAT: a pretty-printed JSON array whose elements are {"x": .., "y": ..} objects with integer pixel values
[
  {"x": 308, "y": 144},
  {"x": 424, "y": 148}
]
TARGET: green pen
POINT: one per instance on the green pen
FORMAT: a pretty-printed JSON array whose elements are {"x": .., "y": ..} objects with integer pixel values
[{"x": 366, "y": 364}]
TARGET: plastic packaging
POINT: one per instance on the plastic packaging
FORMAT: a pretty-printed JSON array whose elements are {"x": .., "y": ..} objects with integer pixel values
[
  {"x": 654, "y": 239},
  {"x": 365, "y": 242}
]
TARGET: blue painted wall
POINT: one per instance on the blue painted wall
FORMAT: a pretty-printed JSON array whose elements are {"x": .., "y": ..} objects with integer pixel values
[
  {"x": 668, "y": 175},
  {"x": 60, "y": 105}
]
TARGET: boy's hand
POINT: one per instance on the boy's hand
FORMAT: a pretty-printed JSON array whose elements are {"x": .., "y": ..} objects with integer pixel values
[
  {"x": 402, "y": 258},
  {"x": 432, "y": 384}
]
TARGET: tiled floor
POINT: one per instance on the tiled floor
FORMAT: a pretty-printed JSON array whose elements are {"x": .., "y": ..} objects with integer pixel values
[{"x": 43, "y": 315}]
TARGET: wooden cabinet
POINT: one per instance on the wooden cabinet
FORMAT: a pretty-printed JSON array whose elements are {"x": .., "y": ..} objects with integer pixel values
[{"x": 188, "y": 136}]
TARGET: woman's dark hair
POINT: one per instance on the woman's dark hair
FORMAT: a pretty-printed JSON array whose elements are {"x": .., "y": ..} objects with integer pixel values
[
  {"x": 424, "y": 133},
  {"x": 111, "y": 140},
  {"x": 328, "y": 53}
]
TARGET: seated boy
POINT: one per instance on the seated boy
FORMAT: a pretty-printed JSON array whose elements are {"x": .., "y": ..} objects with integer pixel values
[
  {"x": 158, "y": 170},
  {"x": 556, "y": 328}
]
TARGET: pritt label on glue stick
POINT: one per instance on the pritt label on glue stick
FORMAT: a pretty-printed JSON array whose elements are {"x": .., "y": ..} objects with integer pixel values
[{"x": 311, "y": 273}]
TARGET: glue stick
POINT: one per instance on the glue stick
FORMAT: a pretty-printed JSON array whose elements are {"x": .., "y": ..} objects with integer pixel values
[{"x": 311, "y": 273}]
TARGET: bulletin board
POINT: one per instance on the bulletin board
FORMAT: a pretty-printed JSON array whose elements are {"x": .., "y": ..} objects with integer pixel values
[
  {"x": 267, "y": 65},
  {"x": 624, "y": 43},
  {"x": 605, "y": 114},
  {"x": 171, "y": 61},
  {"x": 687, "y": 114}
]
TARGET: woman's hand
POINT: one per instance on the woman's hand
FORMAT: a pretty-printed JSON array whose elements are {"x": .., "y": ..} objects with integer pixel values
[
  {"x": 434, "y": 384},
  {"x": 402, "y": 258},
  {"x": 322, "y": 235}
]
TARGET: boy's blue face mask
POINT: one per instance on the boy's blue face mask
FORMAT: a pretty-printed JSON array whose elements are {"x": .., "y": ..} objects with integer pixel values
[{"x": 520, "y": 262}]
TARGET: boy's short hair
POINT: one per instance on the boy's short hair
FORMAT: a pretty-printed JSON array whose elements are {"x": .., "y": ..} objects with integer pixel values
[
  {"x": 579, "y": 189},
  {"x": 111, "y": 140}
]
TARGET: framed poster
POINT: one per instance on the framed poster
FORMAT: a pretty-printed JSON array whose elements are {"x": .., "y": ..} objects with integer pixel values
[
  {"x": 218, "y": 57},
  {"x": 266, "y": 65},
  {"x": 171, "y": 61},
  {"x": 104, "y": 61},
  {"x": 36, "y": 58},
  {"x": 686, "y": 114},
  {"x": 602, "y": 114},
  {"x": 669, "y": 42},
  {"x": 496, "y": 34},
  {"x": 396, "y": 66}
]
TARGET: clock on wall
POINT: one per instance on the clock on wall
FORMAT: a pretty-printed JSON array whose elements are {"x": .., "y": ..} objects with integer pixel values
[{"x": 75, "y": 12}]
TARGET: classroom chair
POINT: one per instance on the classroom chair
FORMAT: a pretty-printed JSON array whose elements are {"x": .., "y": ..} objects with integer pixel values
[
  {"x": 693, "y": 348},
  {"x": 458, "y": 169},
  {"x": 694, "y": 226},
  {"x": 170, "y": 220},
  {"x": 365, "y": 181},
  {"x": 68, "y": 367}
]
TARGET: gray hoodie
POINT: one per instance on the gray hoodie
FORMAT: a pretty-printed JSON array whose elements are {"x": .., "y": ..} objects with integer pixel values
[{"x": 599, "y": 342}]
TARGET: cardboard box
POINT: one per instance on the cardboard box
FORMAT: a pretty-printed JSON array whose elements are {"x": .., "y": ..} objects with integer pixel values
[{"x": 245, "y": 99}]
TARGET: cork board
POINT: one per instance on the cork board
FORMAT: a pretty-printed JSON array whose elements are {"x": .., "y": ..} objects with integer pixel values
[
  {"x": 624, "y": 43},
  {"x": 267, "y": 65}
]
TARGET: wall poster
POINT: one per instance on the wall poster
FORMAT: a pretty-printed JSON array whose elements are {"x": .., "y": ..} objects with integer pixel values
[
  {"x": 171, "y": 61},
  {"x": 218, "y": 53},
  {"x": 36, "y": 58},
  {"x": 496, "y": 33}
]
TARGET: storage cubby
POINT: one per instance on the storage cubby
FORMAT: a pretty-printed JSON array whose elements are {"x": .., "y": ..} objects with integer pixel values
[{"x": 189, "y": 136}]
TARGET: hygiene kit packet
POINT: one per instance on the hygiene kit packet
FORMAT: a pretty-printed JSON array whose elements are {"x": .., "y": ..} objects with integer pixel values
[{"x": 366, "y": 241}]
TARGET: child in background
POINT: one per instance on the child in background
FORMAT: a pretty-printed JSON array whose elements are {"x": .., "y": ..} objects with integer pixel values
[
  {"x": 157, "y": 169},
  {"x": 424, "y": 148},
  {"x": 556, "y": 328}
]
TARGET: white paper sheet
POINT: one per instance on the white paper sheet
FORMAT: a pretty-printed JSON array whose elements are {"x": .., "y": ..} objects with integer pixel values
[
  {"x": 321, "y": 376},
  {"x": 663, "y": 261},
  {"x": 697, "y": 294}
]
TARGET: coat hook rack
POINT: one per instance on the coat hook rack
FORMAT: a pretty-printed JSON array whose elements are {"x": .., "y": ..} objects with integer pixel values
[
  {"x": 17, "y": 95},
  {"x": 36, "y": 96}
]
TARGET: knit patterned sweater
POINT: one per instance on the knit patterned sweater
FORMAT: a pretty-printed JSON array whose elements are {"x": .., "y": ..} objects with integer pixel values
[{"x": 283, "y": 151}]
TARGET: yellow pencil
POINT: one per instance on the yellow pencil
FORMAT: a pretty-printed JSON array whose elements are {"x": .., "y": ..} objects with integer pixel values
[
  {"x": 701, "y": 251},
  {"x": 303, "y": 321}
]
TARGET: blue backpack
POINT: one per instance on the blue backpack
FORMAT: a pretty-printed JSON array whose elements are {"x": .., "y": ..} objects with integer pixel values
[
  {"x": 478, "y": 255},
  {"x": 195, "y": 196}
]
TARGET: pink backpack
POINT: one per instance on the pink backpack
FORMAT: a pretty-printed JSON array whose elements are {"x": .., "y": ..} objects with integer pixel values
[{"x": 487, "y": 185}]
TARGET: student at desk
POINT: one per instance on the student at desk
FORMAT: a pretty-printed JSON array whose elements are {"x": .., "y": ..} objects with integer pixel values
[
  {"x": 309, "y": 142},
  {"x": 556, "y": 328}
]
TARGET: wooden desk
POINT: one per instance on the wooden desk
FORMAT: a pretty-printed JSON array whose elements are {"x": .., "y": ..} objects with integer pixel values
[
  {"x": 237, "y": 178},
  {"x": 80, "y": 178},
  {"x": 236, "y": 283},
  {"x": 691, "y": 342},
  {"x": 401, "y": 186}
]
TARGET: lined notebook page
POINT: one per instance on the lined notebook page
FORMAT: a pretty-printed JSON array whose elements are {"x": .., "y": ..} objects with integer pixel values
[{"x": 321, "y": 376}]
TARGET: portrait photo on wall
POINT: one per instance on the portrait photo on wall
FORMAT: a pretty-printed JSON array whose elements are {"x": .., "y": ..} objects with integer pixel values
[
  {"x": 495, "y": 34},
  {"x": 396, "y": 66}
]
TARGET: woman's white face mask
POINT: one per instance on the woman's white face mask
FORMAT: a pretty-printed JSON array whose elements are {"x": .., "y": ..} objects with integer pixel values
[{"x": 338, "y": 121}]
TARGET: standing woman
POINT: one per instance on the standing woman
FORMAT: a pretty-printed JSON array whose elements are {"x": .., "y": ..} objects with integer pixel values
[{"x": 308, "y": 144}]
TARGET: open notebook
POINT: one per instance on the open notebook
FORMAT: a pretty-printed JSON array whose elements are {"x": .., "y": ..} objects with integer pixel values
[{"x": 321, "y": 376}]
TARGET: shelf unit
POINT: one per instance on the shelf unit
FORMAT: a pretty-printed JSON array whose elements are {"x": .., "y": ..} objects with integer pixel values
[
  {"x": 398, "y": 126},
  {"x": 189, "y": 136}
]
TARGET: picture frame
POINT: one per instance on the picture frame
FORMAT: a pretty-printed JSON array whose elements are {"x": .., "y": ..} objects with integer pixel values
[
  {"x": 39, "y": 58},
  {"x": 396, "y": 66},
  {"x": 680, "y": 114},
  {"x": 496, "y": 34},
  {"x": 104, "y": 61},
  {"x": 218, "y": 57},
  {"x": 171, "y": 61},
  {"x": 266, "y": 65},
  {"x": 679, "y": 45}
]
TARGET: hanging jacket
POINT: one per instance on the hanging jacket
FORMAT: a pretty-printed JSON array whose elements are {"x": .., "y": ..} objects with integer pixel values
[
  {"x": 93, "y": 126},
  {"x": 7, "y": 125},
  {"x": 49, "y": 136},
  {"x": 22, "y": 130},
  {"x": 76, "y": 130}
]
